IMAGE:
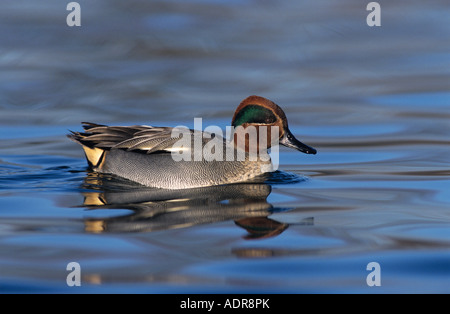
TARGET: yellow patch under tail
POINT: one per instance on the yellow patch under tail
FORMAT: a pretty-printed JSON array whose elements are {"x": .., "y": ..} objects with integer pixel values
[{"x": 95, "y": 156}]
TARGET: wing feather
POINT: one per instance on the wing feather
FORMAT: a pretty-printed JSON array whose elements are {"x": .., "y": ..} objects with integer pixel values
[{"x": 146, "y": 139}]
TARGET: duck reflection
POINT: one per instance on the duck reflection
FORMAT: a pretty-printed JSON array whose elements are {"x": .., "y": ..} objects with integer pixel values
[{"x": 161, "y": 209}]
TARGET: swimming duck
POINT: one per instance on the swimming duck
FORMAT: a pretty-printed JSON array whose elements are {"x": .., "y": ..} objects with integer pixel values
[{"x": 180, "y": 158}]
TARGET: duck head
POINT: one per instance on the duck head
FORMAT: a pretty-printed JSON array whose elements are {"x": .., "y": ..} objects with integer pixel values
[{"x": 258, "y": 112}]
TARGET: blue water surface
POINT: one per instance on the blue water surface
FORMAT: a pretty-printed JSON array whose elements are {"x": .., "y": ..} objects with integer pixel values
[{"x": 374, "y": 102}]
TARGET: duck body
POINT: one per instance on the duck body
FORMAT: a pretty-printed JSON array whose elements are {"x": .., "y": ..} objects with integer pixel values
[
  {"x": 161, "y": 169},
  {"x": 160, "y": 157}
]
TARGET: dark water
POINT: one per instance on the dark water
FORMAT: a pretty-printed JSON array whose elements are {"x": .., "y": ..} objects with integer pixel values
[{"x": 374, "y": 101}]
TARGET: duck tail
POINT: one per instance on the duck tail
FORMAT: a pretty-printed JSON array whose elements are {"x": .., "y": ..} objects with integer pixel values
[{"x": 94, "y": 155}]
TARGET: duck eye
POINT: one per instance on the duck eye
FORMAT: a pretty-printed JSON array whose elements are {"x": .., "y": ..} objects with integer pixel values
[{"x": 254, "y": 114}]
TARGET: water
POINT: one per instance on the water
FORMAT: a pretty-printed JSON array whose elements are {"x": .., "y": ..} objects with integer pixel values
[{"x": 375, "y": 102}]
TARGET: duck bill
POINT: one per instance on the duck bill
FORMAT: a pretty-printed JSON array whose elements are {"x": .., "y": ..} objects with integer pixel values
[{"x": 289, "y": 140}]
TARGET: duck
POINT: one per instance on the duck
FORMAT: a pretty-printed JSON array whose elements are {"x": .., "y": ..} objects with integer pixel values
[{"x": 182, "y": 158}]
